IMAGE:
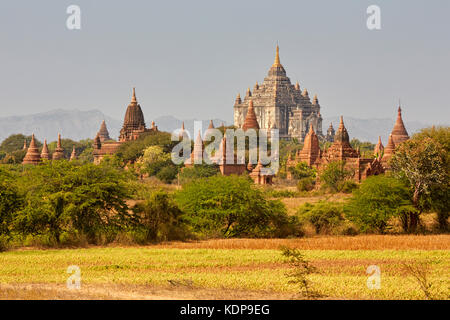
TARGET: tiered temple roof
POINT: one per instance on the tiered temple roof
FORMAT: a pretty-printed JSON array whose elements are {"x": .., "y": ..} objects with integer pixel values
[
  {"x": 250, "y": 119},
  {"x": 311, "y": 149},
  {"x": 341, "y": 148},
  {"x": 399, "y": 133},
  {"x": 134, "y": 122},
  {"x": 59, "y": 151},
  {"x": 103, "y": 132},
  {"x": 45, "y": 155},
  {"x": 33, "y": 156}
]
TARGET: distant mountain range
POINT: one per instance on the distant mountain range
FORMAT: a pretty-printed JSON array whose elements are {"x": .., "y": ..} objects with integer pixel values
[{"x": 78, "y": 125}]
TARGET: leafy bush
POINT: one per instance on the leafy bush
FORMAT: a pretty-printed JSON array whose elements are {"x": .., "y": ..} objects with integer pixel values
[
  {"x": 281, "y": 194},
  {"x": 167, "y": 174},
  {"x": 159, "y": 217},
  {"x": 302, "y": 170},
  {"x": 334, "y": 174},
  {"x": 230, "y": 206},
  {"x": 348, "y": 186},
  {"x": 377, "y": 200},
  {"x": 306, "y": 184},
  {"x": 197, "y": 171},
  {"x": 65, "y": 196},
  {"x": 324, "y": 216}
]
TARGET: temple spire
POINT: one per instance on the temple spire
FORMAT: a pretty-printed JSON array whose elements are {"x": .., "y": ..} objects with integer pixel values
[
  {"x": 133, "y": 98},
  {"x": 250, "y": 121},
  {"x": 277, "y": 63}
]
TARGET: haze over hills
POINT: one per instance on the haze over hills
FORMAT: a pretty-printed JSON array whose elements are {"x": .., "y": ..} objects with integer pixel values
[{"x": 78, "y": 125}]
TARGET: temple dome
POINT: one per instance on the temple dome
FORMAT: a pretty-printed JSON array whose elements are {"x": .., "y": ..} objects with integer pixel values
[
  {"x": 134, "y": 117},
  {"x": 399, "y": 133}
]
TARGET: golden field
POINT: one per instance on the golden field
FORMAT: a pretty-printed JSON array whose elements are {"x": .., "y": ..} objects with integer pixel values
[{"x": 228, "y": 269}]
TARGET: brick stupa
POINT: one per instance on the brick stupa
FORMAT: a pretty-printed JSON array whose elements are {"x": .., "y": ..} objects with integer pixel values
[
  {"x": 250, "y": 121},
  {"x": 311, "y": 149},
  {"x": 33, "y": 156},
  {"x": 59, "y": 151},
  {"x": 45, "y": 155},
  {"x": 399, "y": 133}
]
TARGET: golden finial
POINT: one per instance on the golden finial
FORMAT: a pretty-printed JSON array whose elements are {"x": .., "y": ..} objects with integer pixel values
[
  {"x": 133, "y": 98},
  {"x": 277, "y": 63}
]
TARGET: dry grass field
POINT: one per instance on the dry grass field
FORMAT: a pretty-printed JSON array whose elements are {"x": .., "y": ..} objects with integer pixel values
[{"x": 228, "y": 269}]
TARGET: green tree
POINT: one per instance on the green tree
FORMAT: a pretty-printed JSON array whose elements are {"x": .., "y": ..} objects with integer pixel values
[
  {"x": 64, "y": 196},
  {"x": 302, "y": 170},
  {"x": 334, "y": 175},
  {"x": 197, "y": 171},
  {"x": 15, "y": 143},
  {"x": 422, "y": 162},
  {"x": 378, "y": 199},
  {"x": 438, "y": 198},
  {"x": 159, "y": 215},
  {"x": 10, "y": 200},
  {"x": 324, "y": 216},
  {"x": 230, "y": 205}
]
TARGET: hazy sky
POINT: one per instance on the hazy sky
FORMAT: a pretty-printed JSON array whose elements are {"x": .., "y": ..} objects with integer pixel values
[{"x": 190, "y": 58}]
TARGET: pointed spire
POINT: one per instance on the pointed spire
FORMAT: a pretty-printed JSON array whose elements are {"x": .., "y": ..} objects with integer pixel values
[
  {"x": 32, "y": 156},
  {"x": 256, "y": 86},
  {"x": 250, "y": 119},
  {"x": 44, "y": 153},
  {"x": 59, "y": 141},
  {"x": 379, "y": 149},
  {"x": 238, "y": 99},
  {"x": 103, "y": 132},
  {"x": 297, "y": 86},
  {"x": 211, "y": 124},
  {"x": 305, "y": 93},
  {"x": 277, "y": 63},
  {"x": 399, "y": 133},
  {"x": 33, "y": 142},
  {"x": 59, "y": 151},
  {"x": 249, "y": 93},
  {"x": 182, "y": 126},
  {"x": 25, "y": 145},
  {"x": 315, "y": 100},
  {"x": 133, "y": 98},
  {"x": 73, "y": 156}
]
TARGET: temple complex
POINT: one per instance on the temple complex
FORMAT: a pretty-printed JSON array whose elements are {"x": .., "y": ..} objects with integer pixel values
[
  {"x": 278, "y": 104},
  {"x": 133, "y": 127},
  {"x": 340, "y": 150}
]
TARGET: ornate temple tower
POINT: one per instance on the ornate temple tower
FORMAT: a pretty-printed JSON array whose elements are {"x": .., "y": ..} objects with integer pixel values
[
  {"x": 330, "y": 133},
  {"x": 33, "y": 156},
  {"x": 311, "y": 149},
  {"x": 103, "y": 132},
  {"x": 399, "y": 133},
  {"x": 134, "y": 123},
  {"x": 59, "y": 151},
  {"x": 341, "y": 148},
  {"x": 279, "y": 104},
  {"x": 45, "y": 155}
]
